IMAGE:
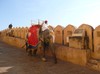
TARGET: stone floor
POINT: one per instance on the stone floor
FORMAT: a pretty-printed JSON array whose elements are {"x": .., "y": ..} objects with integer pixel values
[{"x": 15, "y": 61}]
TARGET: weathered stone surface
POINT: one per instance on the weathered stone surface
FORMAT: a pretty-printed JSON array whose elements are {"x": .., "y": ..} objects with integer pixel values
[
  {"x": 14, "y": 41},
  {"x": 96, "y": 53},
  {"x": 97, "y": 38},
  {"x": 73, "y": 55},
  {"x": 89, "y": 31},
  {"x": 58, "y": 34},
  {"x": 26, "y": 31},
  {"x": 68, "y": 30}
]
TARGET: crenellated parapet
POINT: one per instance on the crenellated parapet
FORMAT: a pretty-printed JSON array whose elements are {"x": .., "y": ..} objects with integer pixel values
[
  {"x": 62, "y": 34},
  {"x": 76, "y": 45}
]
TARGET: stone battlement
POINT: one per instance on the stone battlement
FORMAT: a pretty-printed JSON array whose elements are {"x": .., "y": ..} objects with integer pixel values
[{"x": 76, "y": 49}]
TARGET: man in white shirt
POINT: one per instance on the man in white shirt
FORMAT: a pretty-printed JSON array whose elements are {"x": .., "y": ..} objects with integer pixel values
[
  {"x": 44, "y": 36},
  {"x": 45, "y": 29},
  {"x": 44, "y": 25}
]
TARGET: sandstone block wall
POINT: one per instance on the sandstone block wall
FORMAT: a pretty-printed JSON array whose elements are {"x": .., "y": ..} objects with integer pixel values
[
  {"x": 96, "y": 53},
  {"x": 58, "y": 34},
  {"x": 89, "y": 31},
  {"x": 72, "y": 55},
  {"x": 63, "y": 52},
  {"x": 68, "y": 30}
]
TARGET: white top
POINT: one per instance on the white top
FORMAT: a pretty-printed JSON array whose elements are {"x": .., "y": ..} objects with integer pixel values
[{"x": 44, "y": 27}]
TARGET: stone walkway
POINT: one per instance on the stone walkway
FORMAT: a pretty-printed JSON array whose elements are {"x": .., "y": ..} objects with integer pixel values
[{"x": 15, "y": 61}]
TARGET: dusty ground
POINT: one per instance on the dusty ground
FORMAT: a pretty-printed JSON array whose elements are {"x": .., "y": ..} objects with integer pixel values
[{"x": 15, "y": 61}]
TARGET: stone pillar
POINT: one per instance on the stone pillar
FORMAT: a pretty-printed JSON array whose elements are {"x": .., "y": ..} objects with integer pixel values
[
  {"x": 58, "y": 34},
  {"x": 89, "y": 32},
  {"x": 19, "y": 32},
  {"x": 68, "y": 30},
  {"x": 97, "y": 42},
  {"x": 26, "y": 31},
  {"x": 22, "y": 33},
  {"x": 16, "y": 32}
]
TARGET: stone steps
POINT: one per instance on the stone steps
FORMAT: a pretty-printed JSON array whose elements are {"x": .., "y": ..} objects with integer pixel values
[{"x": 94, "y": 64}]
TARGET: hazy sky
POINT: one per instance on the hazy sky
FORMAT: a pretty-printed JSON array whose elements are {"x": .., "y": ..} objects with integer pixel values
[{"x": 57, "y": 12}]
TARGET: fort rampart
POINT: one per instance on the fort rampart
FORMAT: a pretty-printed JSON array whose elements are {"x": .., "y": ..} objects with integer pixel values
[{"x": 77, "y": 45}]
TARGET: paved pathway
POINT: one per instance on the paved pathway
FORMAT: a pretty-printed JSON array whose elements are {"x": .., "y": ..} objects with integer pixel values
[{"x": 15, "y": 61}]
